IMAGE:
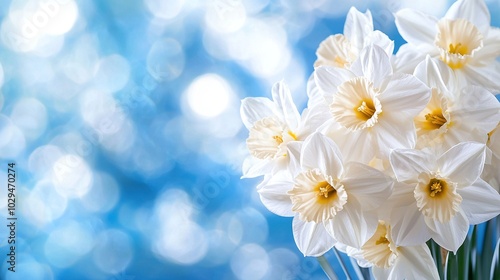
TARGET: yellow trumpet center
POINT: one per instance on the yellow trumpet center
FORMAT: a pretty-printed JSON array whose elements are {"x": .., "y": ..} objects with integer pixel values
[
  {"x": 435, "y": 119},
  {"x": 382, "y": 240},
  {"x": 325, "y": 191},
  {"x": 458, "y": 49},
  {"x": 457, "y": 39},
  {"x": 278, "y": 138},
  {"x": 435, "y": 188},
  {"x": 367, "y": 109}
]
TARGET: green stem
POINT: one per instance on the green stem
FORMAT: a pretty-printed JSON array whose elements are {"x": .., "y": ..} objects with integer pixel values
[
  {"x": 327, "y": 268},
  {"x": 436, "y": 255},
  {"x": 342, "y": 264}
]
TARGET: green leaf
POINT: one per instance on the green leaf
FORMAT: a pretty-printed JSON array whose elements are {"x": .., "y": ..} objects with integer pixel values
[
  {"x": 495, "y": 263},
  {"x": 436, "y": 255},
  {"x": 488, "y": 246},
  {"x": 463, "y": 254},
  {"x": 451, "y": 266},
  {"x": 474, "y": 254}
]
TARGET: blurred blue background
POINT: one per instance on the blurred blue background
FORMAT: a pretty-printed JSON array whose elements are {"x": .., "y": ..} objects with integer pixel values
[{"x": 123, "y": 120}]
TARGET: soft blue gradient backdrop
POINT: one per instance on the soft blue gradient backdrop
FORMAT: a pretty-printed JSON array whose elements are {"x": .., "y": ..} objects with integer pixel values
[{"x": 123, "y": 120}]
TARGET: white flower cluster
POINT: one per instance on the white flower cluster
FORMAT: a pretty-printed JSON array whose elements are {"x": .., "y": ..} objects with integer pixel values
[{"x": 392, "y": 150}]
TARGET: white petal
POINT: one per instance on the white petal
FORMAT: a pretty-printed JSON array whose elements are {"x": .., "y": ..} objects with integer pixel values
[
  {"x": 408, "y": 226},
  {"x": 477, "y": 109},
  {"x": 382, "y": 40},
  {"x": 283, "y": 99},
  {"x": 319, "y": 151},
  {"x": 416, "y": 27},
  {"x": 414, "y": 262},
  {"x": 355, "y": 145},
  {"x": 491, "y": 48},
  {"x": 474, "y": 11},
  {"x": 370, "y": 186},
  {"x": 452, "y": 234},
  {"x": 381, "y": 274},
  {"x": 356, "y": 254},
  {"x": 357, "y": 27},
  {"x": 273, "y": 195},
  {"x": 404, "y": 96},
  {"x": 293, "y": 152},
  {"x": 254, "y": 167},
  {"x": 491, "y": 174},
  {"x": 312, "y": 119},
  {"x": 256, "y": 108},
  {"x": 480, "y": 202},
  {"x": 463, "y": 133},
  {"x": 373, "y": 63},
  {"x": 352, "y": 226},
  {"x": 434, "y": 73},
  {"x": 329, "y": 78},
  {"x": 311, "y": 238},
  {"x": 314, "y": 93},
  {"x": 394, "y": 135},
  {"x": 463, "y": 163},
  {"x": 408, "y": 164},
  {"x": 401, "y": 196},
  {"x": 406, "y": 59},
  {"x": 485, "y": 76}
]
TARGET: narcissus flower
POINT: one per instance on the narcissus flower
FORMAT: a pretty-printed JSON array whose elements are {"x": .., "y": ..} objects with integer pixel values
[
  {"x": 372, "y": 108},
  {"x": 389, "y": 261},
  {"x": 327, "y": 198},
  {"x": 274, "y": 127},
  {"x": 341, "y": 50},
  {"x": 311, "y": 238},
  {"x": 442, "y": 196},
  {"x": 456, "y": 112},
  {"x": 341, "y": 197},
  {"x": 463, "y": 39}
]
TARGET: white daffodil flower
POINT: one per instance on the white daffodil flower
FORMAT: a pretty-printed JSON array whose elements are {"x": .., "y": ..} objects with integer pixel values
[
  {"x": 339, "y": 198},
  {"x": 456, "y": 112},
  {"x": 490, "y": 172},
  {"x": 389, "y": 261},
  {"x": 341, "y": 50},
  {"x": 328, "y": 200},
  {"x": 463, "y": 39},
  {"x": 442, "y": 195},
  {"x": 311, "y": 238},
  {"x": 372, "y": 108},
  {"x": 274, "y": 127}
]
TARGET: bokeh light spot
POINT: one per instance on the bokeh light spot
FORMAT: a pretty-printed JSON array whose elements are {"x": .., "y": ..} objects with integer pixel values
[
  {"x": 112, "y": 74},
  {"x": 113, "y": 251},
  {"x": 45, "y": 204},
  {"x": 165, "y": 60},
  {"x": 30, "y": 115},
  {"x": 71, "y": 176},
  {"x": 250, "y": 262},
  {"x": 164, "y": 9},
  {"x": 67, "y": 244},
  {"x": 103, "y": 195},
  {"x": 179, "y": 239},
  {"x": 12, "y": 140},
  {"x": 208, "y": 95}
]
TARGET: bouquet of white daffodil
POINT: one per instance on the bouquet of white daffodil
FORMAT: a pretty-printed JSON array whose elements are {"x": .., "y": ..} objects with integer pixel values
[{"x": 395, "y": 156}]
